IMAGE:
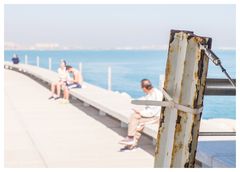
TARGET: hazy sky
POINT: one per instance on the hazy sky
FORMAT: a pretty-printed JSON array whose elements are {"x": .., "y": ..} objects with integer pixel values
[{"x": 114, "y": 26}]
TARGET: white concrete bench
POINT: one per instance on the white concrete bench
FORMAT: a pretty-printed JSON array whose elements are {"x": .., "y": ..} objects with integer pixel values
[{"x": 107, "y": 102}]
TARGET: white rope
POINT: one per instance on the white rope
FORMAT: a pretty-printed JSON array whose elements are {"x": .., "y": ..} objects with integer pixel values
[
  {"x": 179, "y": 106},
  {"x": 170, "y": 103}
]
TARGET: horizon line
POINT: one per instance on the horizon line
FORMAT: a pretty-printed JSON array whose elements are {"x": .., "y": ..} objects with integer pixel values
[
  {"x": 8, "y": 46},
  {"x": 112, "y": 49}
]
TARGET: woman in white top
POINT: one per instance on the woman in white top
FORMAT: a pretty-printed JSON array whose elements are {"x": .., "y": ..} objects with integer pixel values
[{"x": 63, "y": 77}]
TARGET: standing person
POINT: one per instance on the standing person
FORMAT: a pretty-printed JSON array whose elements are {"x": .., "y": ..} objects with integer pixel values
[
  {"x": 15, "y": 59},
  {"x": 149, "y": 115},
  {"x": 56, "y": 86},
  {"x": 75, "y": 82}
]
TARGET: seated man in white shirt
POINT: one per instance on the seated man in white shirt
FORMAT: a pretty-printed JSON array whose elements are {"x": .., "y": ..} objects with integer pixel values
[{"x": 150, "y": 114}]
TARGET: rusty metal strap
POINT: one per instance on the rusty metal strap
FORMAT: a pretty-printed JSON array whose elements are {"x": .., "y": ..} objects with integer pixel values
[{"x": 170, "y": 103}]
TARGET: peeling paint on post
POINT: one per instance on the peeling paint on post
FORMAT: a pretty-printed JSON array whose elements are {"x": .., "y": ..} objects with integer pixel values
[{"x": 185, "y": 80}]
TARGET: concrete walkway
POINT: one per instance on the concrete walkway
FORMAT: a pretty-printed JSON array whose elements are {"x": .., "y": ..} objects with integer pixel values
[{"x": 43, "y": 133}]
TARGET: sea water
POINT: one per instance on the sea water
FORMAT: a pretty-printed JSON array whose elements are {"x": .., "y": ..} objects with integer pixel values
[{"x": 129, "y": 67}]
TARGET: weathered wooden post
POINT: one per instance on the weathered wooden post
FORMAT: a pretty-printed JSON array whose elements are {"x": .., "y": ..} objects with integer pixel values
[{"x": 185, "y": 80}]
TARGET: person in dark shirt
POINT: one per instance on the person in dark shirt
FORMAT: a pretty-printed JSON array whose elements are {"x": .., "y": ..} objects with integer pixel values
[{"x": 15, "y": 59}]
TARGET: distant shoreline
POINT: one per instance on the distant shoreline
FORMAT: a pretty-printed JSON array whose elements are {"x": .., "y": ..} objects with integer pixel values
[{"x": 112, "y": 50}]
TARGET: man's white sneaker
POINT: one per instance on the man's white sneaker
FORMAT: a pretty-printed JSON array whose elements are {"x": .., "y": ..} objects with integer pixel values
[{"x": 127, "y": 141}]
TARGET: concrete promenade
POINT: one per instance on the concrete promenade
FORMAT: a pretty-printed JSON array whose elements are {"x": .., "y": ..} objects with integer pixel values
[{"x": 43, "y": 133}]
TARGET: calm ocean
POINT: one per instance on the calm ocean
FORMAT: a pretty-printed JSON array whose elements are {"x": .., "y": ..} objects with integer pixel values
[{"x": 129, "y": 67}]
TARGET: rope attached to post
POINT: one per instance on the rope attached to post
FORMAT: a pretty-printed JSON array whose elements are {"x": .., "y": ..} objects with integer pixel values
[
  {"x": 170, "y": 103},
  {"x": 180, "y": 107}
]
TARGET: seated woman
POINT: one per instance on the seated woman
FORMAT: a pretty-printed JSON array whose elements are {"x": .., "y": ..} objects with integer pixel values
[{"x": 63, "y": 76}]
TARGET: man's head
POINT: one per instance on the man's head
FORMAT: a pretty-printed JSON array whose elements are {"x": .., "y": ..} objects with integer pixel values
[
  {"x": 146, "y": 85},
  {"x": 69, "y": 68},
  {"x": 63, "y": 64}
]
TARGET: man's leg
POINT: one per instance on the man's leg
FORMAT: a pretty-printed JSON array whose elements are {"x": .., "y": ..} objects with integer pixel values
[
  {"x": 138, "y": 133},
  {"x": 63, "y": 88},
  {"x": 133, "y": 123},
  {"x": 66, "y": 93},
  {"x": 58, "y": 89},
  {"x": 132, "y": 126},
  {"x": 53, "y": 85},
  {"x": 129, "y": 141},
  {"x": 142, "y": 123}
]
